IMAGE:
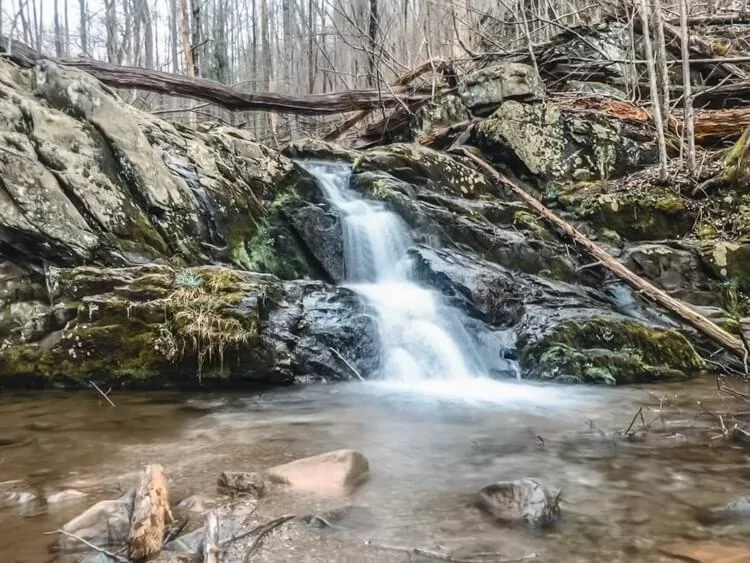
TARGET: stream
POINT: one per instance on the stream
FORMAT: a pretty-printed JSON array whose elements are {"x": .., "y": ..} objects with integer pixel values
[{"x": 428, "y": 454}]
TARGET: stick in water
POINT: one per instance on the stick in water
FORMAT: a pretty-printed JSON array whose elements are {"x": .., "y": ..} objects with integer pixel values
[{"x": 103, "y": 394}]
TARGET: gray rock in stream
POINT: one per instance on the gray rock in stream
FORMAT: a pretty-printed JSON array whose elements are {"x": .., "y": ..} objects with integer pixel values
[
  {"x": 735, "y": 511},
  {"x": 525, "y": 500}
]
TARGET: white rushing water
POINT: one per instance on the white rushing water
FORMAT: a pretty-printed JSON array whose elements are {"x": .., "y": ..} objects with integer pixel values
[{"x": 425, "y": 345}]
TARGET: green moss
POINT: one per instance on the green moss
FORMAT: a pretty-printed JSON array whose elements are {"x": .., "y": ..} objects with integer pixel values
[
  {"x": 608, "y": 235},
  {"x": 531, "y": 223},
  {"x": 610, "y": 350},
  {"x": 381, "y": 190},
  {"x": 651, "y": 214},
  {"x": 143, "y": 233}
]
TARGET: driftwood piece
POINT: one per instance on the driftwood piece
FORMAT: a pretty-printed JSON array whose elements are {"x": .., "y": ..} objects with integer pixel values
[
  {"x": 151, "y": 514},
  {"x": 224, "y": 96},
  {"x": 403, "y": 80},
  {"x": 699, "y": 322},
  {"x": 211, "y": 548}
]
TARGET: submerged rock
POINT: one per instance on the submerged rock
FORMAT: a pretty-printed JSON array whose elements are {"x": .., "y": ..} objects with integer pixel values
[
  {"x": 106, "y": 524},
  {"x": 330, "y": 474},
  {"x": 525, "y": 500},
  {"x": 241, "y": 482}
]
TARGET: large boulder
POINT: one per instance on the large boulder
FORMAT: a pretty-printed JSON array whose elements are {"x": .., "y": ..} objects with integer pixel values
[
  {"x": 485, "y": 89},
  {"x": 153, "y": 325},
  {"x": 422, "y": 166},
  {"x": 563, "y": 332},
  {"x": 88, "y": 178},
  {"x": 555, "y": 144}
]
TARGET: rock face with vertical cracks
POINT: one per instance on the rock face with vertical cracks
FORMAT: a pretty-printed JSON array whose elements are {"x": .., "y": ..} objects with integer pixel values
[{"x": 153, "y": 325}]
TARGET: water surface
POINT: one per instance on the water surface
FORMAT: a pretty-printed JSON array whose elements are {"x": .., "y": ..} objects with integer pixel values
[{"x": 621, "y": 499}]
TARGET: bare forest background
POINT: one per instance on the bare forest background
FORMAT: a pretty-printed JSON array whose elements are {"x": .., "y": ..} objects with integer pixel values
[{"x": 300, "y": 46}]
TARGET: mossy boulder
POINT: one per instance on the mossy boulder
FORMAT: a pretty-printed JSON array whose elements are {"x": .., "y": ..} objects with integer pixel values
[
  {"x": 591, "y": 347},
  {"x": 317, "y": 149},
  {"x": 554, "y": 144},
  {"x": 636, "y": 215},
  {"x": 156, "y": 326}
]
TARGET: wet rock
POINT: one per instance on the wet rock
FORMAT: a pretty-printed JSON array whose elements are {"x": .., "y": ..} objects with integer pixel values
[
  {"x": 192, "y": 542},
  {"x": 346, "y": 516},
  {"x": 320, "y": 228},
  {"x": 153, "y": 324},
  {"x": 707, "y": 552},
  {"x": 735, "y": 511},
  {"x": 422, "y": 166},
  {"x": 106, "y": 524},
  {"x": 551, "y": 143},
  {"x": 677, "y": 270},
  {"x": 637, "y": 215},
  {"x": 334, "y": 473},
  {"x": 589, "y": 345},
  {"x": 525, "y": 500},
  {"x": 316, "y": 149},
  {"x": 13, "y": 499},
  {"x": 68, "y": 495},
  {"x": 241, "y": 482},
  {"x": 484, "y": 90},
  {"x": 196, "y": 503}
]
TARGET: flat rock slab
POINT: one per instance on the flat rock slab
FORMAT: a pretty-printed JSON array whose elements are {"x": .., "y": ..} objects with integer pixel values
[
  {"x": 525, "y": 500},
  {"x": 707, "y": 553},
  {"x": 335, "y": 473}
]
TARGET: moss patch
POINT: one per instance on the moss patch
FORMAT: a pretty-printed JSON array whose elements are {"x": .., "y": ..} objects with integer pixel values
[{"x": 610, "y": 350}]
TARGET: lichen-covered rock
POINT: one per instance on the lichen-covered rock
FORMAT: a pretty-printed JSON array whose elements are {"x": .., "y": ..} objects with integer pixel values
[
  {"x": 636, "y": 215},
  {"x": 316, "y": 149},
  {"x": 153, "y": 325},
  {"x": 422, "y": 166},
  {"x": 484, "y": 90},
  {"x": 90, "y": 179},
  {"x": 729, "y": 260},
  {"x": 445, "y": 111},
  {"x": 555, "y": 144}
]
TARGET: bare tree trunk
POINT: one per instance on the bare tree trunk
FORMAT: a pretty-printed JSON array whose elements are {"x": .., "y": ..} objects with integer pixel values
[
  {"x": 310, "y": 46},
  {"x": 67, "y": 29},
  {"x": 689, "y": 128},
  {"x": 372, "y": 35},
  {"x": 661, "y": 51},
  {"x": 110, "y": 22},
  {"x": 187, "y": 48},
  {"x": 655, "y": 104},
  {"x": 58, "y": 29},
  {"x": 148, "y": 34},
  {"x": 196, "y": 46},
  {"x": 173, "y": 9},
  {"x": 83, "y": 29}
]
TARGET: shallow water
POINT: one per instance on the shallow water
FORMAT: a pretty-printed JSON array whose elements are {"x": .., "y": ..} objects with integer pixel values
[{"x": 428, "y": 454}]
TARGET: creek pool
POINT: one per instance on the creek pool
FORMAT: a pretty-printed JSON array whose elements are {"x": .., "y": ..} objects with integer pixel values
[{"x": 429, "y": 446}]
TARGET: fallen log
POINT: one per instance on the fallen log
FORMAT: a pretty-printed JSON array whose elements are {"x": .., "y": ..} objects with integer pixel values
[
  {"x": 227, "y": 97},
  {"x": 151, "y": 514},
  {"x": 699, "y": 322},
  {"x": 403, "y": 80}
]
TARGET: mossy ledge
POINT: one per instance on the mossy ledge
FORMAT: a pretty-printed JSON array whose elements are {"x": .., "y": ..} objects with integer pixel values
[
  {"x": 152, "y": 327},
  {"x": 609, "y": 350}
]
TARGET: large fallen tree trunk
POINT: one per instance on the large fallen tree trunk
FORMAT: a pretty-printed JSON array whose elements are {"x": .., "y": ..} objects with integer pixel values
[
  {"x": 716, "y": 333},
  {"x": 220, "y": 94}
]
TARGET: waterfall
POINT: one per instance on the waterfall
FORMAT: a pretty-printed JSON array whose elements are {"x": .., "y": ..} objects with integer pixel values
[{"x": 422, "y": 339}]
